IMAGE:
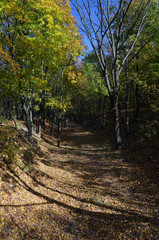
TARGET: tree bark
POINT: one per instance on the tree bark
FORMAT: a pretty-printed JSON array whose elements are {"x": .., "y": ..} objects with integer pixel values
[
  {"x": 115, "y": 104},
  {"x": 43, "y": 109},
  {"x": 54, "y": 122},
  {"x": 60, "y": 110},
  {"x": 30, "y": 128},
  {"x": 114, "y": 98},
  {"x": 53, "y": 126},
  {"x": 23, "y": 112},
  {"x": 137, "y": 101},
  {"x": 34, "y": 121},
  {"x": 66, "y": 121},
  {"x": 13, "y": 113},
  {"x": 127, "y": 100},
  {"x": 137, "y": 91},
  {"x": 39, "y": 128},
  {"x": 28, "y": 113},
  {"x": 59, "y": 129}
]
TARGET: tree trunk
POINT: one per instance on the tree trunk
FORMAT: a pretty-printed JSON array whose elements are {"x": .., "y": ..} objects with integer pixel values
[
  {"x": 137, "y": 91},
  {"x": 30, "y": 128},
  {"x": 43, "y": 109},
  {"x": 59, "y": 129},
  {"x": 23, "y": 111},
  {"x": 53, "y": 126},
  {"x": 13, "y": 113},
  {"x": 53, "y": 123},
  {"x": 114, "y": 97},
  {"x": 28, "y": 113},
  {"x": 34, "y": 121},
  {"x": 60, "y": 110},
  {"x": 17, "y": 111},
  {"x": 127, "y": 100},
  {"x": 15, "y": 124},
  {"x": 117, "y": 121},
  {"x": 104, "y": 108},
  {"x": 137, "y": 101},
  {"x": 100, "y": 112},
  {"x": 39, "y": 129},
  {"x": 66, "y": 121}
]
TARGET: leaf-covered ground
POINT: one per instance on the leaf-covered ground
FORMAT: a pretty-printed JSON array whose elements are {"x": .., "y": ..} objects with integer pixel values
[{"x": 83, "y": 190}]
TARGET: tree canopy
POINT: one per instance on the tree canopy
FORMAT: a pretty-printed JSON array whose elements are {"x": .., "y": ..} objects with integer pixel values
[{"x": 41, "y": 73}]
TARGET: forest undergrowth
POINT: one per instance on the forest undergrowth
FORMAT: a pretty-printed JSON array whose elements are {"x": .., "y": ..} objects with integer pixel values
[{"x": 83, "y": 190}]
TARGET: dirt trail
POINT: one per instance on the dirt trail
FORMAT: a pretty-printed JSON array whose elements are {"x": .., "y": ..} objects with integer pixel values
[{"x": 82, "y": 190}]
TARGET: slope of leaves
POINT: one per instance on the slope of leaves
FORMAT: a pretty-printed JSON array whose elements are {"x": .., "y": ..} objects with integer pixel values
[
  {"x": 82, "y": 190},
  {"x": 8, "y": 145}
]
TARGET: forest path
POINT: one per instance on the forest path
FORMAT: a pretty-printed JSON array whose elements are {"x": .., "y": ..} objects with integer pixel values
[{"x": 81, "y": 190}]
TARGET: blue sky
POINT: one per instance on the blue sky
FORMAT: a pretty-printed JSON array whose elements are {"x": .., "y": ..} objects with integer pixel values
[{"x": 86, "y": 40}]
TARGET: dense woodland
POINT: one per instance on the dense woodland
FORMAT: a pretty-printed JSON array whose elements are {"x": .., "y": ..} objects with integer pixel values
[
  {"x": 42, "y": 77},
  {"x": 52, "y": 84}
]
